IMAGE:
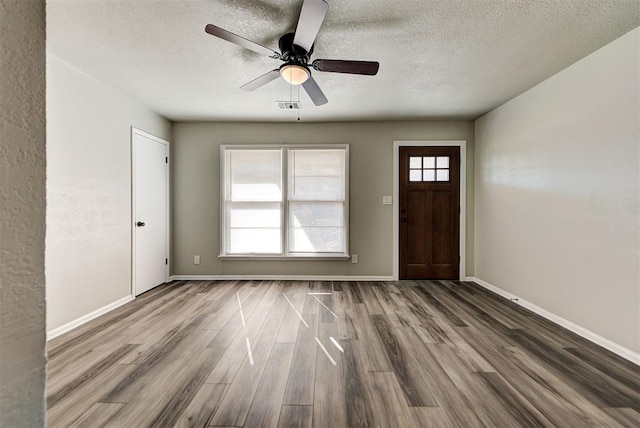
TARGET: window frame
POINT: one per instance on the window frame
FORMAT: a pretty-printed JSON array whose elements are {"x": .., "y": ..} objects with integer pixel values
[{"x": 284, "y": 218}]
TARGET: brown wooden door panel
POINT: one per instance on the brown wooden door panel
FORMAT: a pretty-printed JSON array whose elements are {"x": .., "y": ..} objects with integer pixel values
[
  {"x": 429, "y": 212},
  {"x": 417, "y": 248},
  {"x": 442, "y": 222}
]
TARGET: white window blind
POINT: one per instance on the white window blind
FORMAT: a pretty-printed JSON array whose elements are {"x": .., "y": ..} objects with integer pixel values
[
  {"x": 316, "y": 201},
  {"x": 285, "y": 201},
  {"x": 253, "y": 196}
]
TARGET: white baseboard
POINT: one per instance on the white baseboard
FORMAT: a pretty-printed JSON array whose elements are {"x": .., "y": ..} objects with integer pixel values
[
  {"x": 278, "y": 278},
  {"x": 620, "y": 350},
  {"x": 86, "y": 318}
]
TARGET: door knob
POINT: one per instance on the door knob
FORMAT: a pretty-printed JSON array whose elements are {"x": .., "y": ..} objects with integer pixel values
[
  {"x": 403, "y": 220},
  {"x": 140, "y": 224}
]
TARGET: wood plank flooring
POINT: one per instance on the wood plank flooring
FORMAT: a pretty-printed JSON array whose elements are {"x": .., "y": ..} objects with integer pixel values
[{"x": 333, "y": 354}]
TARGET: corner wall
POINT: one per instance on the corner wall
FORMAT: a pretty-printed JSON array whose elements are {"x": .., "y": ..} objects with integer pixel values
[
  {"x": 557, "y": 216},
  {"x": 196, "y": 191},
  {"x": 88, "y": 254},
  {"x": 22, "y": 213}
]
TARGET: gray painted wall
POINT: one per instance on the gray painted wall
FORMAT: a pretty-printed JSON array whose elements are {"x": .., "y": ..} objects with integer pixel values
[
  {"x": 22, "y": 213},
  {"x": 558, "y": 194},
  {"x": 196, "y": 191},
  {"x": 88, "y": 256}
]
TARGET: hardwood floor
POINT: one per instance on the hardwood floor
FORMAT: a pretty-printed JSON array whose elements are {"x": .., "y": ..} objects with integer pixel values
[{"x": 323, "y": 354}]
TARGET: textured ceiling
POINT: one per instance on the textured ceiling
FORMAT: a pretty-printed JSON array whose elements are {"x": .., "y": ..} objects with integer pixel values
[{"x": 438, "y": 58}]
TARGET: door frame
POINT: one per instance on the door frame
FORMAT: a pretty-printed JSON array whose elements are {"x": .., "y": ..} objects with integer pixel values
[
  {"x": 135, "y": 131},
  {"x": 463, "y": 198}
]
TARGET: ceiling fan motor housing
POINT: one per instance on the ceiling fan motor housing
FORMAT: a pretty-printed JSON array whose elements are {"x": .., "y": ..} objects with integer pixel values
[{"x": 293, "y": 54}]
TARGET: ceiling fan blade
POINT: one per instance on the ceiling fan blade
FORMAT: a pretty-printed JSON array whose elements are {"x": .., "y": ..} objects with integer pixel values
[
  {"x": 311, "y": 17},
  {"x": 314, "y": 92},
  {"x": 261, "y": 81},
  {"x": 240, "y": 41},
  {"x": 369, "y": 68}
]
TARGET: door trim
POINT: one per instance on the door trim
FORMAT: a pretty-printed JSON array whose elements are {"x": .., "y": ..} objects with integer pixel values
[
  {"x": 463, "y": 198},
  {"x": 135, "y": 131}
]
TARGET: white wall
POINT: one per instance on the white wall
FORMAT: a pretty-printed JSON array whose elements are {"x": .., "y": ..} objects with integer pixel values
[
  {"x": 196, "y": 191},
  {"x": 88, "y": 253},
  {"x": 557, "y": 216},
  {"x": 22, "y": 213}
]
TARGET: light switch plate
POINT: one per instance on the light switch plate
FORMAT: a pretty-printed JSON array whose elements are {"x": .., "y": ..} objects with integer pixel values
[{"x": 386, "y": 200}]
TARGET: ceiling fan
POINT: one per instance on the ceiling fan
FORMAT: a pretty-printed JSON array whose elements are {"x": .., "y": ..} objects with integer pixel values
[{"x": 295, "y": 51}]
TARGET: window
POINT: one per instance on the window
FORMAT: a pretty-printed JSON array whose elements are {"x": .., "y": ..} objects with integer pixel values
[
  {"x": 429, "y": 168},
  {"x": 284, "y": 201},
  {"x": 253, "y": 196}
]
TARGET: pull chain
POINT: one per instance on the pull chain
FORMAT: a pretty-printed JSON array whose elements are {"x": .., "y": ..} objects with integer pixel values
[
  {"x": 298, "y": 103},
  {"x": 291, "y": 95}
]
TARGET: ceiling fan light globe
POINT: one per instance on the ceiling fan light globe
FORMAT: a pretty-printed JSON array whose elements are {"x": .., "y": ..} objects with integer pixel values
[{"x": 295, "y": 74}]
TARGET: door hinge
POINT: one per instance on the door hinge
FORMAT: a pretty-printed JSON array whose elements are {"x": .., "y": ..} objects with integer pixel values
[
  {"x": 166, "y": 261},
  {"x": 166, "y": 159}
]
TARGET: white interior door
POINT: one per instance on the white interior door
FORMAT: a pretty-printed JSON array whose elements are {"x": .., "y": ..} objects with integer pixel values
[{"x": 150, "y": 211}]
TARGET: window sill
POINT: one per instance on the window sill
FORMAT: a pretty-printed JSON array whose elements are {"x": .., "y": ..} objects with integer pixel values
[{"x": 307, "y": 257}]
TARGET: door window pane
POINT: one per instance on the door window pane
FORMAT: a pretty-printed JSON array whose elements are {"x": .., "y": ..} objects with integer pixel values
[
  {"x": 415, "y": 175},
  {"x": 429, "y": 175},
  {"x": 443, "y": 162},
  {"x": 442, "y": 175},
  {"x": 415, "y": 162},
  {"x": 429, "y": 162}
]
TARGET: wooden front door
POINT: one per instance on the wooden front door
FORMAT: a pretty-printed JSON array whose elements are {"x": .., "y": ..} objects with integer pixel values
[{"x": 429, "y": 212}]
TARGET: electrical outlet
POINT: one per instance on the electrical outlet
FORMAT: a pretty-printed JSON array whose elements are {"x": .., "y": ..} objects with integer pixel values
[
  {"x": 354, "y": 258},
  {"x": 196, "y": 260}
]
